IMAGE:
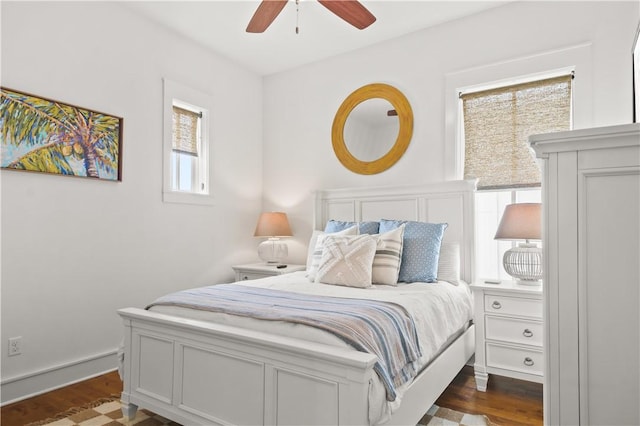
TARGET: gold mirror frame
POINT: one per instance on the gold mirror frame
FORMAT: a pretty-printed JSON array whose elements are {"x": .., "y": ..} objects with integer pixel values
[{"x": 405, "y": 117}]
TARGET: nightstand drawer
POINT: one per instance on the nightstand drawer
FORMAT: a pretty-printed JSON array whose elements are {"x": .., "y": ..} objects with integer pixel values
[
  {"x": 244, "y": 276},
  {"x": 515, "y": 359},
  {"x": 514, "y": 330},
  {"x": 255, "y": 271},
  {"x": 513, "y": 306}
]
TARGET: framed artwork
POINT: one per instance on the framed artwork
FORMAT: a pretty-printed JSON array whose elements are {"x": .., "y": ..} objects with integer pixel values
[
  {"x": 43, "y": 135},
  {"x": 636, "y": 76}
]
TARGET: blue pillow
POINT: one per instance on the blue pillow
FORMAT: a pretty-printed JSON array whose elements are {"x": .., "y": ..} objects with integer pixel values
[
  {"x": 420, "y": 249},
  {"x": 363, "y": 227}
]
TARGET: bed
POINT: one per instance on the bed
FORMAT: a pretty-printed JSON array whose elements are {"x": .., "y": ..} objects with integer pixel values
[{"x": 195, "y": 368}]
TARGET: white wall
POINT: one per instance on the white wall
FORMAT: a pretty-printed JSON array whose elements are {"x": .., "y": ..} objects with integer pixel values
[
  {"x": 299, "y": 105},
  {"x": 74, "y": 250}
]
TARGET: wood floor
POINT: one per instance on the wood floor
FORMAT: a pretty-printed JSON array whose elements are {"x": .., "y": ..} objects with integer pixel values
[
  {"x": 506, "y": 402},
  {"x": 51, "y": 403}
]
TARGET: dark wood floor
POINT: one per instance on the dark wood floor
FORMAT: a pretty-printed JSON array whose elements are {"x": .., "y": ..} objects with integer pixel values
[
  {"x": 47, "y": 405},
  {"x": 506, "y": 402}
]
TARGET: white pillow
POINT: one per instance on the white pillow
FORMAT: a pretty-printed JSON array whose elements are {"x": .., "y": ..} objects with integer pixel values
[
  {"x": 347, "y": 260},
  {"x": 449, "y": 263},
  {"x": 386, "y": 263},
  {"x": 312, "y": 247},
  {"x": 314, "y": 253}
]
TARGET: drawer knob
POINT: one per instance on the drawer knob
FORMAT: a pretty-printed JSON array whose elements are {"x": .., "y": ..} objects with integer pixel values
[
  {"x": 245, "y": 278},
  {"x": 528, "y": 362},
  {"x": 527, "y": 333},
  {"x": 496, "y": 305}
]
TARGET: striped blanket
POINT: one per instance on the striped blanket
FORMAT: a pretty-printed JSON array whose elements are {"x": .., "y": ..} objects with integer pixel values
[{"x": 382, "y": 328}]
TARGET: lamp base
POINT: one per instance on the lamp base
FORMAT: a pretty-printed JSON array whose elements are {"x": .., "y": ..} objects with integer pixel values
[
  {"x": 524, "y": 263},
  {"x": 273, "y": 250}
]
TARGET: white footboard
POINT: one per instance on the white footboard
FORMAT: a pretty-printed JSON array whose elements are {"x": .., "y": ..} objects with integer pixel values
[{"x": 195, "y": 372}]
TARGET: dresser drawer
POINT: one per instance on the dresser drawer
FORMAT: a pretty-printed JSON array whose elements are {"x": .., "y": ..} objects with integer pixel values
[
  {"x": 513, "y": 306},
  {"x": 528, "y": 361},
  {"x": 513, "y": 330}
]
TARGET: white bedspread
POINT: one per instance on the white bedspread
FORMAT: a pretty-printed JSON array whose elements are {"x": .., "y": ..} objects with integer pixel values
[{"x": 440, "y": 310}]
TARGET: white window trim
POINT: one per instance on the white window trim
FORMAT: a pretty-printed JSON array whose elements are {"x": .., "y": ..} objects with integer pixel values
[
  {"x": 176, "y": 93},
  {"x": 575, "y": 58}
]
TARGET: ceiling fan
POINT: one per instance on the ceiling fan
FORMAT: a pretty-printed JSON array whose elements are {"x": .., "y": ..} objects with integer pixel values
[{"x": 350, "y": 10}]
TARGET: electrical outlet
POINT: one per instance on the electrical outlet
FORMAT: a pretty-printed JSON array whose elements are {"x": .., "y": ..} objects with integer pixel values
[{"x": 15, "y": 346}]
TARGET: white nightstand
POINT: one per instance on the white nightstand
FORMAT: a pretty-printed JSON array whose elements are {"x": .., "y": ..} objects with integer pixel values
[
  {"x": 254, "y": 271},
  {"x": 509, "y": 340}
]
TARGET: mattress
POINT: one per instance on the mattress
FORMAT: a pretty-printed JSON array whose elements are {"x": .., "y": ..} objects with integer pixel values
[{"x": 440, "y": 311}]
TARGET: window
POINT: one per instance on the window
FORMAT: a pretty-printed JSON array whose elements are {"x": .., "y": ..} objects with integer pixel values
[
  {"x": 186, "y": 145},
  {"x": 496, "y": 123},
  {"x": 186, "y": 150}
]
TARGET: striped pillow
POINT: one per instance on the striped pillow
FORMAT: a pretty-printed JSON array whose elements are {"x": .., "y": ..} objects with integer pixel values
[
  {"x": 386, "y": 263},
  {"x": 347, "y": 260}
]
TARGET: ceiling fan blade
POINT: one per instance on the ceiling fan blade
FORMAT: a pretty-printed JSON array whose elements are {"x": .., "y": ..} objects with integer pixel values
[
  {"x": 351, "y": 11},
  {"x": 265, "y": 14}
]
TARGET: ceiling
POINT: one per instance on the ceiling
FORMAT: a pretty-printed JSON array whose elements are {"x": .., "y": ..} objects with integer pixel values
[{"x": 220, "y": 25}]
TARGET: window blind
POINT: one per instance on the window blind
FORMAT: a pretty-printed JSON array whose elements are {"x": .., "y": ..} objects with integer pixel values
[
  {"x": 185, "y": 131},
  {"x": 497, "y": 123}
]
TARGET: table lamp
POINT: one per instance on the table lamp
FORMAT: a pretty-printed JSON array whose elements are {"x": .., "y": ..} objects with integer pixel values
[
  {"x": 273, "y": 225},
  {"x": 522, "y": 221}
]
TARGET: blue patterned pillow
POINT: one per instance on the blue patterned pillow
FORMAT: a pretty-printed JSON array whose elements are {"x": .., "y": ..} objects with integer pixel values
[
  {"x": 420, "y": 249},
  {"x": 363, "y": 227}
]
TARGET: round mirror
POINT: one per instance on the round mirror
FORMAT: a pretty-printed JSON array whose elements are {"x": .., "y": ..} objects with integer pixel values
[{"x": 372, "y": 128}]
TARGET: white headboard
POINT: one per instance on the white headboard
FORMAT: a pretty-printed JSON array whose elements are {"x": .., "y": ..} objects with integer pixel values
[{"x": 450, "y": 201}]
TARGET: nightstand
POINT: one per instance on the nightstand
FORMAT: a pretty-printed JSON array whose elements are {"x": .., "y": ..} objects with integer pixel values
[
  {"x": 509, "y": 340},
  {"x": 253, "y": 271}
]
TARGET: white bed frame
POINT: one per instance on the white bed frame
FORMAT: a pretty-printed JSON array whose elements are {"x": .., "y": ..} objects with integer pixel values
[{"x": 194, "y": 372}]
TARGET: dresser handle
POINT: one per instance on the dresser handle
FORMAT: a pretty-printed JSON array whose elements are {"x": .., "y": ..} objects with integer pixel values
[
  {"x": 527, "y": 333},
  {"x": 528, "y": 362},
  {"x": 496, "y": 305},
  {"x": 245, "y": 278}
]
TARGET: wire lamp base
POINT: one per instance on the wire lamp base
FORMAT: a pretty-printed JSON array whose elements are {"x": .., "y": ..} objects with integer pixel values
[{"x": 524, "y": 263}]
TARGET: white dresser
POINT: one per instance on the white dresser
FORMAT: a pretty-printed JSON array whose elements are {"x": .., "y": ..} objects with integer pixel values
[
  {"x": 509, "y": 331},
  {"x": 591, "y": 239}
]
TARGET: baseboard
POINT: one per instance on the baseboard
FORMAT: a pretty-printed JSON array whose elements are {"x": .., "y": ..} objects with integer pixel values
[{"x": 31, "y": 384}]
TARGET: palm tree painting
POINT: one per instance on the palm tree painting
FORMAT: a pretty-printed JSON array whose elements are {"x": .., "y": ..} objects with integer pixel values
[{"x": 47, "y": 136}]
